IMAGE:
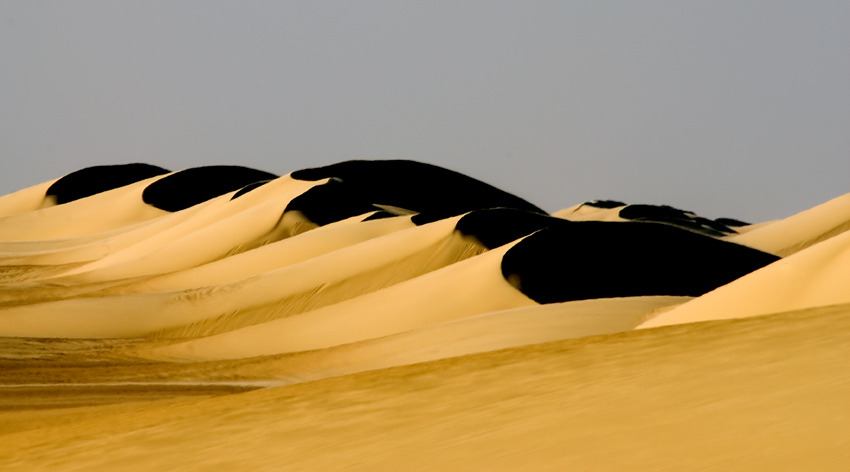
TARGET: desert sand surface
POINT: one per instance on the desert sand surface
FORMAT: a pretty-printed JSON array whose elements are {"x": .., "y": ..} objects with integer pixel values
[
  {"x": 766, "y": 392},
  {"x": 349, "y": 318}
]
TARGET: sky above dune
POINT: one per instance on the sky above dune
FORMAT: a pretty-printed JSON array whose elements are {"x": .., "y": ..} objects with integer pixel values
[{"x": 737, "y": 109}]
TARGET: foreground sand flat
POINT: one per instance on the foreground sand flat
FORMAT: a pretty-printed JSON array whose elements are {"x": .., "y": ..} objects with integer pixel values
[{"x": 763, "y": 393}]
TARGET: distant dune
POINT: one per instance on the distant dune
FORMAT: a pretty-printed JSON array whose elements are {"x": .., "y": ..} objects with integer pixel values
[{"x": 393, "y": 314}]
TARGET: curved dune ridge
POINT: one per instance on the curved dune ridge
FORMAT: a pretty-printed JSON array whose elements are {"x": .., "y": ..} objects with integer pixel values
[{"x": 134, "y": 285}]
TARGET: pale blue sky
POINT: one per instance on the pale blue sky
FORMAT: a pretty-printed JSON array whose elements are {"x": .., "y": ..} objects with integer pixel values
[{"x": 726, "y": 108}]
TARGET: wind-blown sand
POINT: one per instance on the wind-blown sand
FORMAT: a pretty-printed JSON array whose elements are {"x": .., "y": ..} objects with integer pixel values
[{"x": 353, "y": 323}]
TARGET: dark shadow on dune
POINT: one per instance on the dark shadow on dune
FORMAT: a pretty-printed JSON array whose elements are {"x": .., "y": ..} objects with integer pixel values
[
  {"x": 248, "y": 188},
  {"x": 587, "y": 260},
  {"x": 190, "y": 187},
  {"x": 379, "y": 215},
  {"x": 433, "y": 191},
  {"x": 93, "y": 180},
  {"x": 604, "y": 204},
  {"x": 498, "y": 226},
  {"x": 731, "y": 222},
  {"x": 330, "y": 202},
  {"x": 674, "y": 216}
]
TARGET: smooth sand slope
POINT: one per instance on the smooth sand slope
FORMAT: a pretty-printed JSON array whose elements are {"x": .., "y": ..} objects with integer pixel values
[
  {"x": 481, "y": 333},
  {"x": 174, "y": 242},
  {"x": 91, "y": 247},
  {"x": 330, "y": 278},
  {"x": 233, "y": 226},
  {"x": 817, "y": 276},
  {"x": 427, "y": 299},
  {"x": 25, "y": 200},
  {"x": 275, "y": 255},
  {"x": 797, "y": 232},
  {"x": 678, "y": 398},
  {"x": 104, "y": 211}
]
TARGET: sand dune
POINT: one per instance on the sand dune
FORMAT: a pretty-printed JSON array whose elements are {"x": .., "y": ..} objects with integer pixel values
[
  {"x": 490, "y": 331},
  {"x": 797, "y": 232},
  {"x": 96, "y": 245},
  {"x": 276, "y": 255},
  {"x": 230, "y": 227},
  {"x": 369, "y": 314},
  {"x": 817, "y": 276},
  {"x": 428, "y": 299},
  {"x": 25, "y": 200},
  {"x": 611, "y": 210},
  {"x": 336, "y": 276},
  {"x": 101, "y": 212},
  {"x": 589, "y": 212}
]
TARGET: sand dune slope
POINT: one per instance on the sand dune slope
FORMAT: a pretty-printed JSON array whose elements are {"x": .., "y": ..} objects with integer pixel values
[
  {"x": 430, "y": 298},
  {"x": 208, "y": 236},
  {"x": 276, "y": 255},
  {"x": 677, "y": 398},
  {"x": 101, "y": 212},
  {"x": 583, "y": 212},
  {"x": 330, "y": 278},
  {"x": 817, "y": 276},
  {"x": 25, "y": 200},
  {"x": 482, "y": 333},
  {"x": 797, "y": 232},
  {"x": 91, "y": 247}
]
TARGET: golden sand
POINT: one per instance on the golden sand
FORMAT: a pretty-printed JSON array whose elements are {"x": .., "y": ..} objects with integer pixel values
[
  {"x": 762, "y": 393},
  {"x": 255, "y": 341}
]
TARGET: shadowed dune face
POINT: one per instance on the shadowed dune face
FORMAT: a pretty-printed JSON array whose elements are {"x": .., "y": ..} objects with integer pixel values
[
  {"x": 249, "y": 188},
  {"x": 612, "y": 210},
  {"x": 605, "y": 204},
  {"x": 676, "y": 217},
  {"x": 499, "y": 226},
  {"x": 585, "y": 260},
  {"x": 731, "y": 222},
  {"x": 433, "y": 191},
  {"x": 93, "y": 180},
  {"x": 190, "y": 187},
  {"x": 331, "y": 202}
]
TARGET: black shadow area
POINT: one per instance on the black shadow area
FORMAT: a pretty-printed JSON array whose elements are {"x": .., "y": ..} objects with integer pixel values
[
  {"x": 731, "y": 222},
  {"x": 433, "y": 191},
  {"x": 93, "y": 180},
  {"x": 248, "y": 188},
  {"x": 604, "y": 204},
  {"x": 189, "y": 187},
  {"x": 330, "y": 202},
  {"x": 498, "y": 226},
  {"x": 587, "y": 260},
  {"x": 676, "y": 217}
]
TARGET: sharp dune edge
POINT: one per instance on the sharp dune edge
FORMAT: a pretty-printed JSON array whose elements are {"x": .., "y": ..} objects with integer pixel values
[{"x": 380, "y": 315}]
